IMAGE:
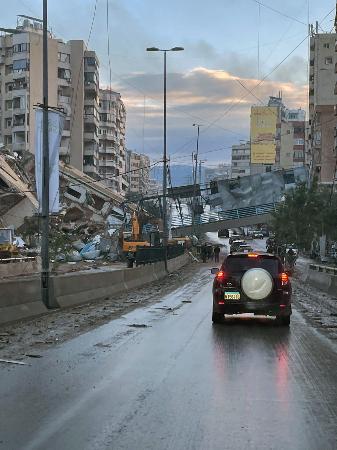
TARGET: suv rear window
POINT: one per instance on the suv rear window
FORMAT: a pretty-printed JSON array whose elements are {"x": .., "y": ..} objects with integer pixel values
[{"x": 242, "y": 263}]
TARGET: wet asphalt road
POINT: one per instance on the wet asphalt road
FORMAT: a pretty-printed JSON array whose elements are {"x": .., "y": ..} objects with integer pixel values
[{"x": 179, "y": 383}]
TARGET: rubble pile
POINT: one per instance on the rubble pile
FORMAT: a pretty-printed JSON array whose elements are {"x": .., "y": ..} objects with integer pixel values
[{"x": 87, "y": 227}]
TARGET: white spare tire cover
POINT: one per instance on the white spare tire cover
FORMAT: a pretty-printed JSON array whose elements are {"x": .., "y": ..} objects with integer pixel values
[{"x": 257, "y": 283}]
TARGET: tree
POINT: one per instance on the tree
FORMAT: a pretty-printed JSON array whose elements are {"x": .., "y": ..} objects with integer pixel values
[{"x": 304, "y": 213}]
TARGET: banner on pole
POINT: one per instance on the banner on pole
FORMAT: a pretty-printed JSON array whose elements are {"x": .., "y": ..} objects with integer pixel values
[{"x": 55, "y": 128}]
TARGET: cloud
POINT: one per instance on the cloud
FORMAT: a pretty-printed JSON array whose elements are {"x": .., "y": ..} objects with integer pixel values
[{"x": 213, "y": 98}]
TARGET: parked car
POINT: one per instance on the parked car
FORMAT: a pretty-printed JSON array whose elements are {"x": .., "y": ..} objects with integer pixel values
[
  {"x": 252, "y": 282},
  {"x": 235, "y": 245},
  {"x": 234, "y": 237},
  {"x": 223, "y": 233},
  {"x": 258, "y": 235}
]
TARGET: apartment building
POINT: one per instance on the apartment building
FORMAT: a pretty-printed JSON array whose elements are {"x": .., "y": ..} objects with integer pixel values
[
  {"x": 138, "y": 166},
  {"x": 112, "y": 152},
  {"x": 240, "y": 166},
  {"x": 322, "y": 110},
  {"x": 291, "y": 139},
  {"x": 73, "y": 76}
]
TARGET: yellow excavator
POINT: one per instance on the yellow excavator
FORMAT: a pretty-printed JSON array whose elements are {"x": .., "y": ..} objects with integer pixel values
[
  {"x": 133, "y": 240},
  {"x": 7, "y": 248}
]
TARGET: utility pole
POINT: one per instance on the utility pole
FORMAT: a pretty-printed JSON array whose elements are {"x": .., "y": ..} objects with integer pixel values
[
  {"x": 45, "y": 293},
  {"x": 195, "y": 171}
]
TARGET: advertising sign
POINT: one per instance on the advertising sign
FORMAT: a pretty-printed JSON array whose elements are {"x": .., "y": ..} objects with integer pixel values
[
  {"x": 55, "y": 128},
  {"x": 263, "y": 130}
]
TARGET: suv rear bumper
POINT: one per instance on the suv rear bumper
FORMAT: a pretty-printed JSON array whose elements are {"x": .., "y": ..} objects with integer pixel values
[{"x": 270, "y": 309}]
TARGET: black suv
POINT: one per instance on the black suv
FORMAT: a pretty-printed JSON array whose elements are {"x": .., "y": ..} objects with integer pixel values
[{"x": 252, "y": 283}]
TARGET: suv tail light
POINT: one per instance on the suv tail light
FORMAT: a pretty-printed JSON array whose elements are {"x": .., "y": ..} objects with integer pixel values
[
  {"x": 221, "y": 275},
  {"x": 284, "y": 278}
]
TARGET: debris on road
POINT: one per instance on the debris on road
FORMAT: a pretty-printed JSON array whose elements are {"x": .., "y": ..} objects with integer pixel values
[
  {"x": 138, "y": 325},
  {"x": 8, "y": 361}
]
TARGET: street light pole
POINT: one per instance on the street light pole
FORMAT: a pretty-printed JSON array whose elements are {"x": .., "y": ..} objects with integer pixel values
[
  {"x": 165, "y": 228},
  {"x": 45, "y": 294},
  {"x": 165, "y": 234}
]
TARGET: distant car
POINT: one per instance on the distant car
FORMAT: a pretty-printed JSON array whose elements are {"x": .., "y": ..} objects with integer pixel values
[
  {"x": 223, "y": 233},
  {"x": 258, "y": 235},
  {"x": 244, "y": 248},
  {"x": 252, "y": 283},
  {"x": 234, "y": 237}
]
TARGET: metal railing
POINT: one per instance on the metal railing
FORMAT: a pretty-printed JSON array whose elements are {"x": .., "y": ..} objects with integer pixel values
[{"x": 219, "y": 216}]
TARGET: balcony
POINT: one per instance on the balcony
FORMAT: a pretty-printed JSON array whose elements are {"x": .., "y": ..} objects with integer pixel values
[
  {"x": 64, "y": 99},
  {"x": 91, "y": 86},
  {"x": 90, "y": 118},
  {"x": 107, "y": 163},
  {"x": 90, "y": 136},
  {"x": 90, "y": 151},
  {"x": 108, "y": 151}
]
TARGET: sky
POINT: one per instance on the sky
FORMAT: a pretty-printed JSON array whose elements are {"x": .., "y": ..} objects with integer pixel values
[{"x": 230, "y": 47}]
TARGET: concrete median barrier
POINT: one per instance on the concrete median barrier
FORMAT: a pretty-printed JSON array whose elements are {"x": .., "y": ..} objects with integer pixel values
[{"x": 20, "y": 298}]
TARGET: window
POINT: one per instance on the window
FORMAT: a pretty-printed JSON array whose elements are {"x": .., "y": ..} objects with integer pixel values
[
  {"x": 298, "y": 154},
  {"x": 17, "y": 102},
  {"x": 20, "y": 65},
  {"x": 8, "y": 105},
  {"x": 90, "y": 77},
  {"x": 63, "y": 57},
  {"x": 328, "y": 60},
  {"x": 8, "y": 69},
  {"x": 240, "y": 264},
  {"x": 18, "y": 120},
  {"x": 326, "y": 45},
  {"x": 18, "y": 48},
  {"x": 8, "y": 87},
  {"x": 299, "y": 141},
  {"x": 8, "y": 122},
  {"x": 63, "y": 74},
  {"x": 90, "y": 61}
]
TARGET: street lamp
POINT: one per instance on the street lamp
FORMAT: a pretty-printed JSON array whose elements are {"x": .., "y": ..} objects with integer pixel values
[
  {"x": 165, "y": 231},
  {"x": 195, "y": 177}
]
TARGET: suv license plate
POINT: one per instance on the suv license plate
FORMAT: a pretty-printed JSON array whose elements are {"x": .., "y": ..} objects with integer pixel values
[{"x": 232, "y": 295}]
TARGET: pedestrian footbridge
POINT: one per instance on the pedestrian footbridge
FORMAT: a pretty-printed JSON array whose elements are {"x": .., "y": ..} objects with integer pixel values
[{"x": 214, "y": 221}]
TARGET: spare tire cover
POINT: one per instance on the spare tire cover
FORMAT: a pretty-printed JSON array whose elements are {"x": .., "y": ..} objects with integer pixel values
[{"x": 257, "y": 283}]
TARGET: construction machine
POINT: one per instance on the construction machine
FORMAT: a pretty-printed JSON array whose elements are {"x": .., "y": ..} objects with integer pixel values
[
  {"x": 7, "y": 247},
  {"x": 132, "y": 240}
]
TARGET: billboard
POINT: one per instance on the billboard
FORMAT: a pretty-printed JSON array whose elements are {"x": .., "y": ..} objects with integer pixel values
[
  {"x": 55, "y": 128},
  {"x": 263, "y": 121},
  {"x": 184, "y": 191}
]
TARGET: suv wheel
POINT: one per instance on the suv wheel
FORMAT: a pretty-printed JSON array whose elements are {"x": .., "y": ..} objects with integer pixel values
[
  {"x": 217, "y": 318},
  {"x": 283, "y": 321}
]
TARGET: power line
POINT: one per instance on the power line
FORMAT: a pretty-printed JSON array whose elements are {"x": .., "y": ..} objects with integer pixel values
[{"x": 279, "y": 12}]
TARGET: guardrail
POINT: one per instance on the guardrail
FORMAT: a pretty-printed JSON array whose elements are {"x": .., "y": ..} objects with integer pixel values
[
  {"x": 326, "y": 269},
  {"x": 219, "y": 216}
]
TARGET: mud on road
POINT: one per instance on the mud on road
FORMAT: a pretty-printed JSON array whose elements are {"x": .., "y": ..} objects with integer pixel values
[{"x": 33, "y": 336}]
